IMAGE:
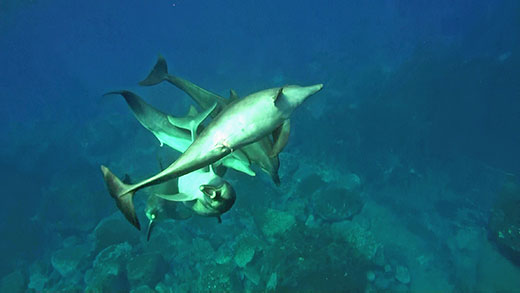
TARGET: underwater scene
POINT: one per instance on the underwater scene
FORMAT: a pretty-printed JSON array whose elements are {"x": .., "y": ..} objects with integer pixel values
[{"x": 260, "y": 146}]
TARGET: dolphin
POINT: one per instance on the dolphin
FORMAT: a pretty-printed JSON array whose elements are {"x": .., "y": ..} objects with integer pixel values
[
  {"x": 204, "y": 192},
  {"x": 177, "y": 132},
  {"x": 258, "y": 152},
  {"x": 243, "y": 122},
  {"x": 158, "y": 209}
]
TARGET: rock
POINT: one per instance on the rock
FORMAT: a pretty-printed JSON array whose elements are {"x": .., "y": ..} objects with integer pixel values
[
  {"x": 276, "y": 222},
  {"x": 217, "y": 278},
  {"x": 252, "y": 275},
  {"x": 223, "y": 254},
  {"x": 13, "y": 282},
  {"x": 336, "y": 203},
  {"x": 244, "y": 254},
  {"x": 371, "y": 276},
  {"x": 272, "y": 283},
  {"x": 146, "y": 269},
  {"x": 202, "y": 250},
  {"x": 309, "y": 185},
  {"x": 114, "y": 231},
  {"x": 504, "y": 222},
  {"x": 69, "y": 260},
  {"x": 38, "y": 276},
  {"x": 402, "y": 274},
  {"x": 107, "y": 273},
  {"x": 142, "y": 289},
  {"x": 360, "y": 238}
]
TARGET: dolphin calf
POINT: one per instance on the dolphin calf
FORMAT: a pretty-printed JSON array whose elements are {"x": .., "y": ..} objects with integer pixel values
[
  {"x": 243, "y": 122},
  {"x": 257, "y": 152},
  {"x": 177, "y": 132},
  {"x": 158, "y": 209}
]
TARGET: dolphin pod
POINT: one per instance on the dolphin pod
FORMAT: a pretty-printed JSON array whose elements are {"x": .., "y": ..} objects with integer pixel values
[
  {"x": 258, "y": 152},
  {"x": 234, "y": 126}
]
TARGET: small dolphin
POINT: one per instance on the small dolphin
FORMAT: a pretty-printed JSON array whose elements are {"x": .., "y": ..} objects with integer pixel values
[
  {"x": 204, "y": 192},
  {"x": 158, "y": 209},
  {"x": 243, "y": 122},
  {"x": 258, "y": 152},
  {"x": 177, "y": 132}
]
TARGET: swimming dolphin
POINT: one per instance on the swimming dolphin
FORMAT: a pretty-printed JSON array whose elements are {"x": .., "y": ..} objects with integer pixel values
[
  {"x": 243, "y": 122},
  {"x": 204, "y": 192},
  {"x": 257, "y": 152},
  {"x": 158, "y": 209},
  {"x": 176, "y": 132}
]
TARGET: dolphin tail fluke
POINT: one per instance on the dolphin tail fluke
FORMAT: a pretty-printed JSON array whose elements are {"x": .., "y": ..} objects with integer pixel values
[
  {"x": 158, "y": 74},
  {"x": 124, "y": 198}
]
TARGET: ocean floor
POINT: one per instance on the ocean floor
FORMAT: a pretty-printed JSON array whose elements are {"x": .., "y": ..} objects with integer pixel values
[{"x": 322, "y": 230}]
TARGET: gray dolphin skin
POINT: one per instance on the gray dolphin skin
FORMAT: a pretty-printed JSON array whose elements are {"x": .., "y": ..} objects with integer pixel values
[
  {"x": 177, "y": 132},
  {"x": 243, "y": 122},
  {"x": 260, "y": 152}
]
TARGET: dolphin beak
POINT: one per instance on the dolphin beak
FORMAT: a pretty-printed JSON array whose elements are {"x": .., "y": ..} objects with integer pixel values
[
  {"x": 150, "y": 227},
  {"x": 311, "y": 90}
]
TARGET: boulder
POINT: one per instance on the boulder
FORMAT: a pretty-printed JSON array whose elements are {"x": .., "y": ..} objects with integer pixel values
[
  {"x": 71, "y": 260},
  {"x": 13, "y": 282},
  {"x": 112, "y": 231},
  {"x": 504, "y": 222},
  {"x": 276, "y": 222},
  {"x": 336, "y": 203},
  {"x": 146, "y": 269},
  {"x": 108, "y": 270}
]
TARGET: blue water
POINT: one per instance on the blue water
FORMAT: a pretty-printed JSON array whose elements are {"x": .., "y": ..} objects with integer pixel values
[{"x": 421, "y": 101}]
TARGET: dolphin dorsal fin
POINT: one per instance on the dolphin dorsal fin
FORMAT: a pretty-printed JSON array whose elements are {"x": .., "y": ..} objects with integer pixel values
[
  {"x": 192, "y": 112},
  {"x": 278, "y": 95},
  {"x": 191, "y": 123},
  {"x": 233, "y": 96}
]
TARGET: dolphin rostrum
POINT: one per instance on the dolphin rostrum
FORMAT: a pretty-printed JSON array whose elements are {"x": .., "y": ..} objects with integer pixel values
[
  {"x": 259, "y": 153},
  {"x": 243, "y": 122}
]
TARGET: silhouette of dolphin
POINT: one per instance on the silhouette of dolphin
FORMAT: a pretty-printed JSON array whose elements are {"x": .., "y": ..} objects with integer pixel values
[
  {"x": 243, "y": 122},
  {"x": 257, "y": 152}
]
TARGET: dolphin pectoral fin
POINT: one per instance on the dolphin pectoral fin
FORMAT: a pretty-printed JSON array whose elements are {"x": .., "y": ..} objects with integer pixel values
[
  {"x": 176, "y": 197},
  {"x": 239, "y": 161},
  {"x": 219, "y": 219},
  {"x": 151, "y": 224},
  {"x": 281, "y": 137},
  {"x": 191, "y": 123},
  {"x": 123, "y": 198},
  {"x": 158, "y": 73}
]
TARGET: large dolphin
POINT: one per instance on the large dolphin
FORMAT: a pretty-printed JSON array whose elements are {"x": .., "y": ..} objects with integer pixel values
[
  {"x": 177, "y": 132},
  {"x": 258, "y": 152},
  {"x": 243, "y": 122}
]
